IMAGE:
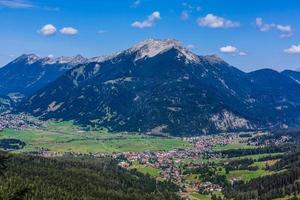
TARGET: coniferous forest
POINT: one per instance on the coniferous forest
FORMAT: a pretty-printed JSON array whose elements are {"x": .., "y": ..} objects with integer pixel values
[{"x": 27, "y": 177}]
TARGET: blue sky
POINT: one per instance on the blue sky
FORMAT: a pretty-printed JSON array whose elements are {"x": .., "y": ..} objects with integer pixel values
[{"x": 248, "y": 34}]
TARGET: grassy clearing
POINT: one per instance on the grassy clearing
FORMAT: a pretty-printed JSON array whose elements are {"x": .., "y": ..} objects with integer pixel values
[
  {"x": 146, "y": 169},
  {"x": 192, "y": 177},
  {"x": 66, "y": 137},
  {"x": 247, "y": 175},
  {"x": 197, "y": 196}
]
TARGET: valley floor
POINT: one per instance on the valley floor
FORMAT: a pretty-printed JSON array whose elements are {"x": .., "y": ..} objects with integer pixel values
[
  {"x": 202, "y": 167},
  {"x": 62, "y": 137}
]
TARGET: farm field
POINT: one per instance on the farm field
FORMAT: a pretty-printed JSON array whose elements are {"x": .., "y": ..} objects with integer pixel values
[{"x": 66, "y": 137}]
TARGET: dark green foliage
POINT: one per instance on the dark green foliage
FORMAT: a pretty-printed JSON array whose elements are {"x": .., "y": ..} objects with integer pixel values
[
  {"x": 270, "y": 157},
  {"x": 209, "y": 172},
  {"x": 262, "y": 150},
  {"x": 241, "y": 164},
  {"x": 80, "y": 178},
  {"x": 11, "y": 144},
  {"x": 272, "y": 186},
  {"x": 3, "y": 159},
  {"x": 245, "y": 135}
]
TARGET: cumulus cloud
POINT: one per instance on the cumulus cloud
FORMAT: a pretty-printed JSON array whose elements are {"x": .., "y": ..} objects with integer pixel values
[
  {"x": 286, "y": 30},
  {"x": 229, "y": 49},
  {"x": 213, "y": 21},
  {"x": 294, "y": 49},
  {"x": 149, "y": 22},
  {"x": 68, "y": 31},
  {"x": 47, "y": 30}
]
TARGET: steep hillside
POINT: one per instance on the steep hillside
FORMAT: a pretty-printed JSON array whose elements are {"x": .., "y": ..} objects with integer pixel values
[
  {"x": 6, "y": 104},
  {"x": 29, "y": 73},
  {"x": 295, "y": 75}
]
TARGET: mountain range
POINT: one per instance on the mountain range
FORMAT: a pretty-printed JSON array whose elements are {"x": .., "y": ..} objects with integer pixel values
[
  {"x": 28, "y": 73},
  {"x": 156, "y": 87}
]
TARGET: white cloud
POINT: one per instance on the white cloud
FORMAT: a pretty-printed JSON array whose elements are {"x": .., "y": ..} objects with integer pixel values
[
  {"x": 213, "y": 21},
  {"x": 294, "y": 49},
  {"x": 16, "y": 4},
  {"x": 47, "y": 30},
  {"x": 228, "y": 49},
  {"x": 149, "y": 22},
  {"x": 68, "y": 31},
  {"x": 184, "y": 15},
  {"x": 286, "y": 30}
]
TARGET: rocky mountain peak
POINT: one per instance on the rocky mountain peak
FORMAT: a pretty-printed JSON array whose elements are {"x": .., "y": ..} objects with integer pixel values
[
  {"x": 70, "y": 60},
  {"x": 152, "y": 47},
  {"x": 27, "y": 58}
]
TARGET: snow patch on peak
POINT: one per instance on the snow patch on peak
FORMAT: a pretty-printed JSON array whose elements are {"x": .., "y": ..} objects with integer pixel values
[
  {"x": 72, "y": 60},
  {"x": 152, "y": 47},
  {"x": 28, "y": 58},
  {"x": 100, "y": 59}
]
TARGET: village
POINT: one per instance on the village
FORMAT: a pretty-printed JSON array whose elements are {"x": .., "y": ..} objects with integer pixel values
[
  {"x": 169, "y": 163},
  {"x": 19, "y": 121}
]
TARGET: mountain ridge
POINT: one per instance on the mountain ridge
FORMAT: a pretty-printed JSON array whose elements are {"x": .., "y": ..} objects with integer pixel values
[
  {"x": 160, "y": 86},
  {"x": 29, "y": 72}
]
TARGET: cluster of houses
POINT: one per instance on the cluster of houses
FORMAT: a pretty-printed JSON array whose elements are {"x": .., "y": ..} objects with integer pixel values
[
  {"x": 20, "y": 121},
  {"x": 203, "y": 143},
  {"x": 170, "y": 162}
]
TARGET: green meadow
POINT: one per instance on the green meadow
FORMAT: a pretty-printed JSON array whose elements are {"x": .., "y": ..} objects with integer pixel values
[
  {"x": 67, "y": 137},
  {"x": 146, "y": 169}
]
